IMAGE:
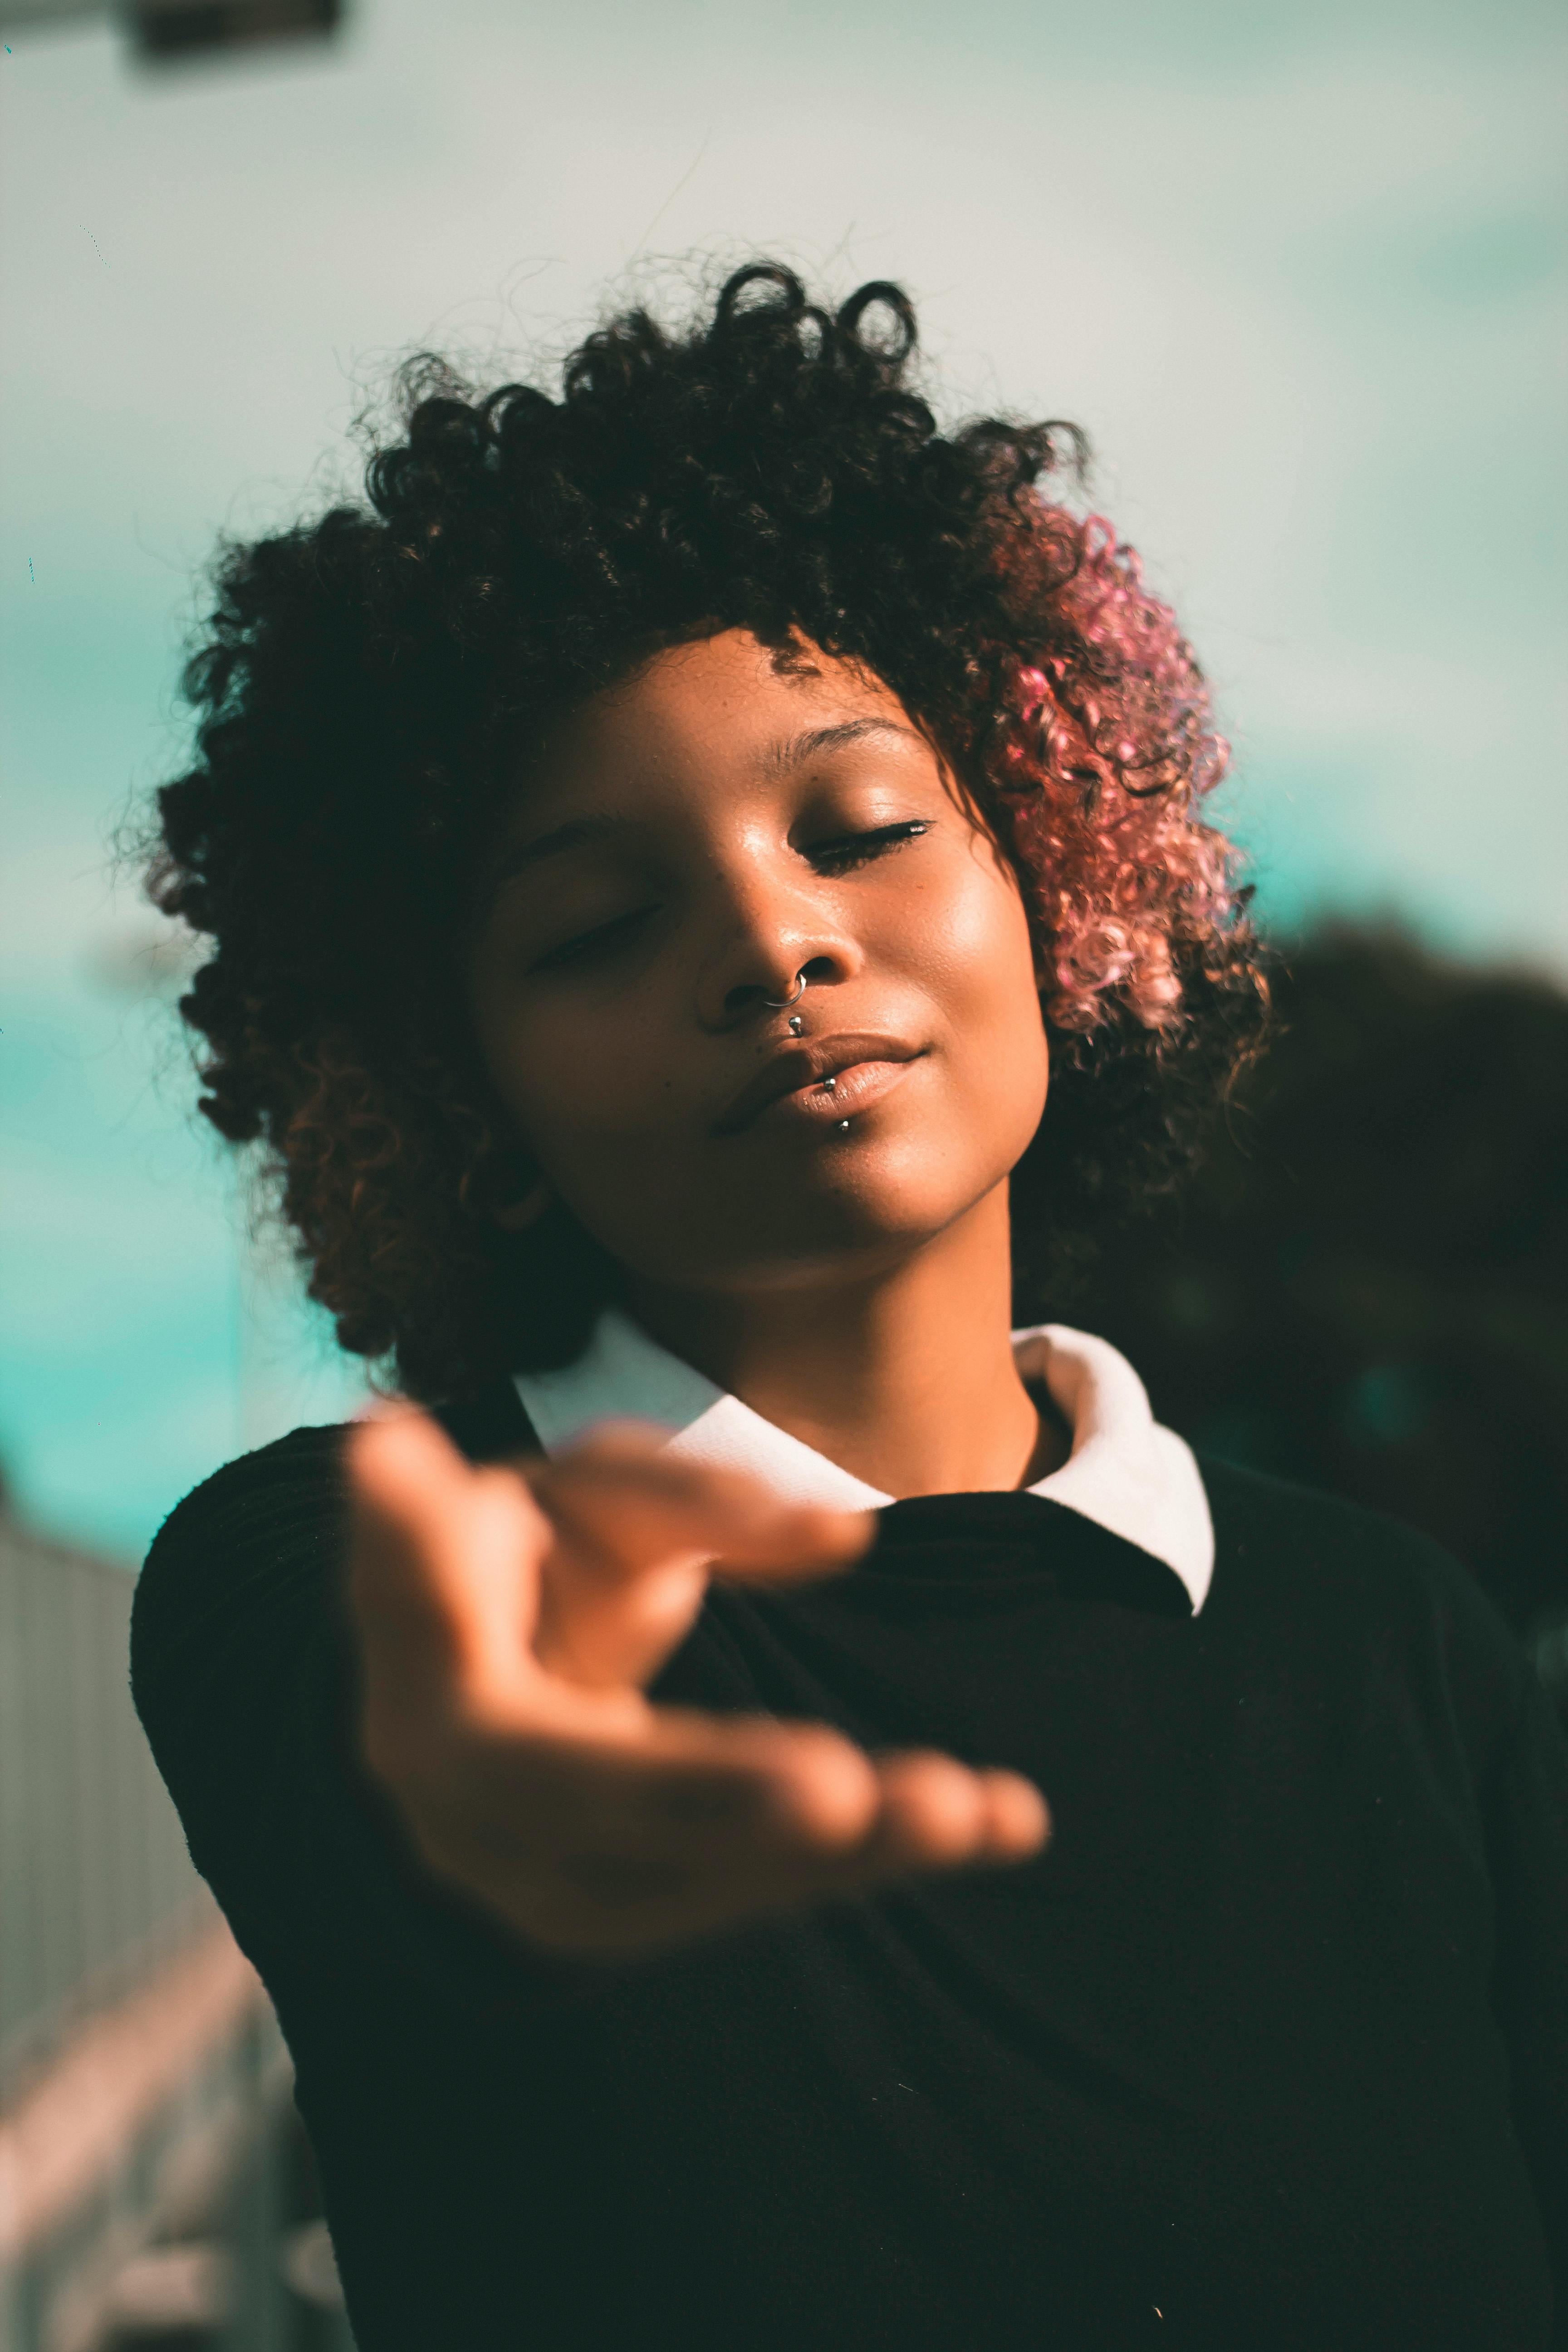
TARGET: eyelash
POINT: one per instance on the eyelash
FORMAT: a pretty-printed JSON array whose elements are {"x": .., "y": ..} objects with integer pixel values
[
  {"x": 843, "y": 857},
  {"x": 860, "y": 848}
]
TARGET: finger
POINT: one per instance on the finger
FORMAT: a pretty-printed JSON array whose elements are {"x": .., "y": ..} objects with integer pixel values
[
  {"x": 631, "y": 1502},
  {"x": 937, "y": 1812},
  {"x": 609, "y": 1899},
  {"x": 1018, "y": 1819},
  {"x": 746, "y": 1813},
  {"x": 637, "y": 1531},
  {"x": 442, "y": 1561},
  {"x": 932, "y": 1812},
  {"x": 600, "y": 1627},
  {"x": 932, "y": 1815},
  {"x": 583, "y": 1773}
]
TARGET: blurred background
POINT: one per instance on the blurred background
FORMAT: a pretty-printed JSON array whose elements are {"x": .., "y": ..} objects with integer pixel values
[{"x": 1302, "y": 275}]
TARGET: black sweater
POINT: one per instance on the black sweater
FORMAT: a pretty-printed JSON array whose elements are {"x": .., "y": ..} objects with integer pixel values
[{"x": 1268, "y": 2049}]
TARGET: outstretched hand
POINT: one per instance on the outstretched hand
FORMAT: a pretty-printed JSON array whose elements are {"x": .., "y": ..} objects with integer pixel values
[{"x": 508, "y": 1620}]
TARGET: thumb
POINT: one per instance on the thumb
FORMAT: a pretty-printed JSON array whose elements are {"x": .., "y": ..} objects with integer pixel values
[{"x": 443, "y": 1578}]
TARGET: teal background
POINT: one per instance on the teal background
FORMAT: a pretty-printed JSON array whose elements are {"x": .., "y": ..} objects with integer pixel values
[{"x": 1300, "y": 274}]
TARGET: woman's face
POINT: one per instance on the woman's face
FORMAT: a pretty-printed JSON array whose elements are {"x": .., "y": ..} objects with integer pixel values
[{"x": 692, "y": 839}]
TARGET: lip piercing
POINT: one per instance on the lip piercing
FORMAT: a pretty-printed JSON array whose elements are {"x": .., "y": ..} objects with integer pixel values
[
  {"x": 842, "y": 1127},
  {"x": 796, "y": 1026},
  {"x": 829, "y": 1086}
]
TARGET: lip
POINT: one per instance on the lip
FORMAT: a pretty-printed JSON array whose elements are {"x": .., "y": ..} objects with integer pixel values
[{"x": 793, "y": 1079}]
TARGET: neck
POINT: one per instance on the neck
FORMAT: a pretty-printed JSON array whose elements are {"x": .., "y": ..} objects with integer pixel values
[{"x": 906, "y": 1379}]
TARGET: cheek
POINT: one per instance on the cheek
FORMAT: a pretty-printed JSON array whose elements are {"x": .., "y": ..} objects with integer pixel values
[
  {"x": 574, "y": 1083},
  {"x": 563, "y": 1066},
  {"x": 982, "y": 977},
  {"x": 595, "y": 1088},
  {"x": 613, "y": 1130}
]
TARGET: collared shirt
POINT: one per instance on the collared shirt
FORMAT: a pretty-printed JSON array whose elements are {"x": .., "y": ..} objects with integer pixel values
[
  {"x": 1268, "y": 2047},
  {"x": 1125, "y": 1471}
]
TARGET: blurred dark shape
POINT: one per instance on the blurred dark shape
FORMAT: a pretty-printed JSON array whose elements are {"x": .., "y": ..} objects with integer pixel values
[
  {"x": 1367, "y": 1288},
  {"x": 169, "y": 31},
  {"x": 15, "y": 14},
  {"x": 164, "y": 31}
]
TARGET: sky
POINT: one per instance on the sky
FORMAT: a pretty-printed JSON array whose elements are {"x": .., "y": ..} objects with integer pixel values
[{"x": 1302, "y": 276}]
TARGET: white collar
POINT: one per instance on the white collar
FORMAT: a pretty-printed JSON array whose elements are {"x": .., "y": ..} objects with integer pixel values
[{"x": 1125, "y": 1471}]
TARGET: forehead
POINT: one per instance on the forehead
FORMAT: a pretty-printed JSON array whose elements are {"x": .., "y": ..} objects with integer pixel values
[{"x": 722, "y": 705}]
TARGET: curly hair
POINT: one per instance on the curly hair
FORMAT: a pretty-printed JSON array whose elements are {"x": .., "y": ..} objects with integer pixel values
[{"x": 364, "y": 678}]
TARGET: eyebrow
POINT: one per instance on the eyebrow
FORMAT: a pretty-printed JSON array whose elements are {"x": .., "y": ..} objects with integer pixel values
[
  {"x": 794, "y": 754},
  {"x": 577, "y": 833},
  {"x": 609, "y": 825}
]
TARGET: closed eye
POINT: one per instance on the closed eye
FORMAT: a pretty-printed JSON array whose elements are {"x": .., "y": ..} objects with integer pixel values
[
  {"x": 842, "y": 857},
  {"x": 597, "y": 945},
  {"x": 832, "y": 858}
]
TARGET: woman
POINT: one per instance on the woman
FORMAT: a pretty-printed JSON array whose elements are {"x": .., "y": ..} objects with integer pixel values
[{"x": 656, "y": 859}]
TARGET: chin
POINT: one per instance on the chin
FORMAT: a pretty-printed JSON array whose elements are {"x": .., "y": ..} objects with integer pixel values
[{"x": 840, "y": 1225}]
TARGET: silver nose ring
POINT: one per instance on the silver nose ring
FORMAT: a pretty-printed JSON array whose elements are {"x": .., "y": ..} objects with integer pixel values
[{"x": 777, "y": 1004}]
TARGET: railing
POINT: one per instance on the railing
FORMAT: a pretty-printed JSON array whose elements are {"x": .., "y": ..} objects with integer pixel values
[
  {"x": 148, "y": 2154},
  {"x": 94, "y": 1875}
]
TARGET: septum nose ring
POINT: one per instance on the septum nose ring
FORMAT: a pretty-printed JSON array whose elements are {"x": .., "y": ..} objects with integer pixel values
[
  {"x": 780, "y": 1003},
  {"x": 796, "y": 1028}
]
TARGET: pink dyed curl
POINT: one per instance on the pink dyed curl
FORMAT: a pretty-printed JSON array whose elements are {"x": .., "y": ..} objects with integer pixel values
[{"x": 1108, "y": 751}]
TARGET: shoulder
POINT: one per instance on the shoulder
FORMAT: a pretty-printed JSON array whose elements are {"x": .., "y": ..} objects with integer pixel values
[
  {"x": 1260, "y": 1519},
  {"x": 292, "y": 1491},
  {"x": 259, "y": 1542},
  {"x": 284, "y": 1502},
  {"x": 1335, "y": 1580},
  {"x": 238, "y": 1580}
]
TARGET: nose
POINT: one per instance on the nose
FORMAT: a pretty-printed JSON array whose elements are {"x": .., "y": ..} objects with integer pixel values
[
  {"x": 753, "y": 996},
  {"x": 774, "y": 944}
]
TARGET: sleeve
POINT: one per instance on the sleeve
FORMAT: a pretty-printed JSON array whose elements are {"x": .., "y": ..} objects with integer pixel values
[
  {"x": 242, "y": 1675},
  {"x": 1530, "y": 1835}
]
